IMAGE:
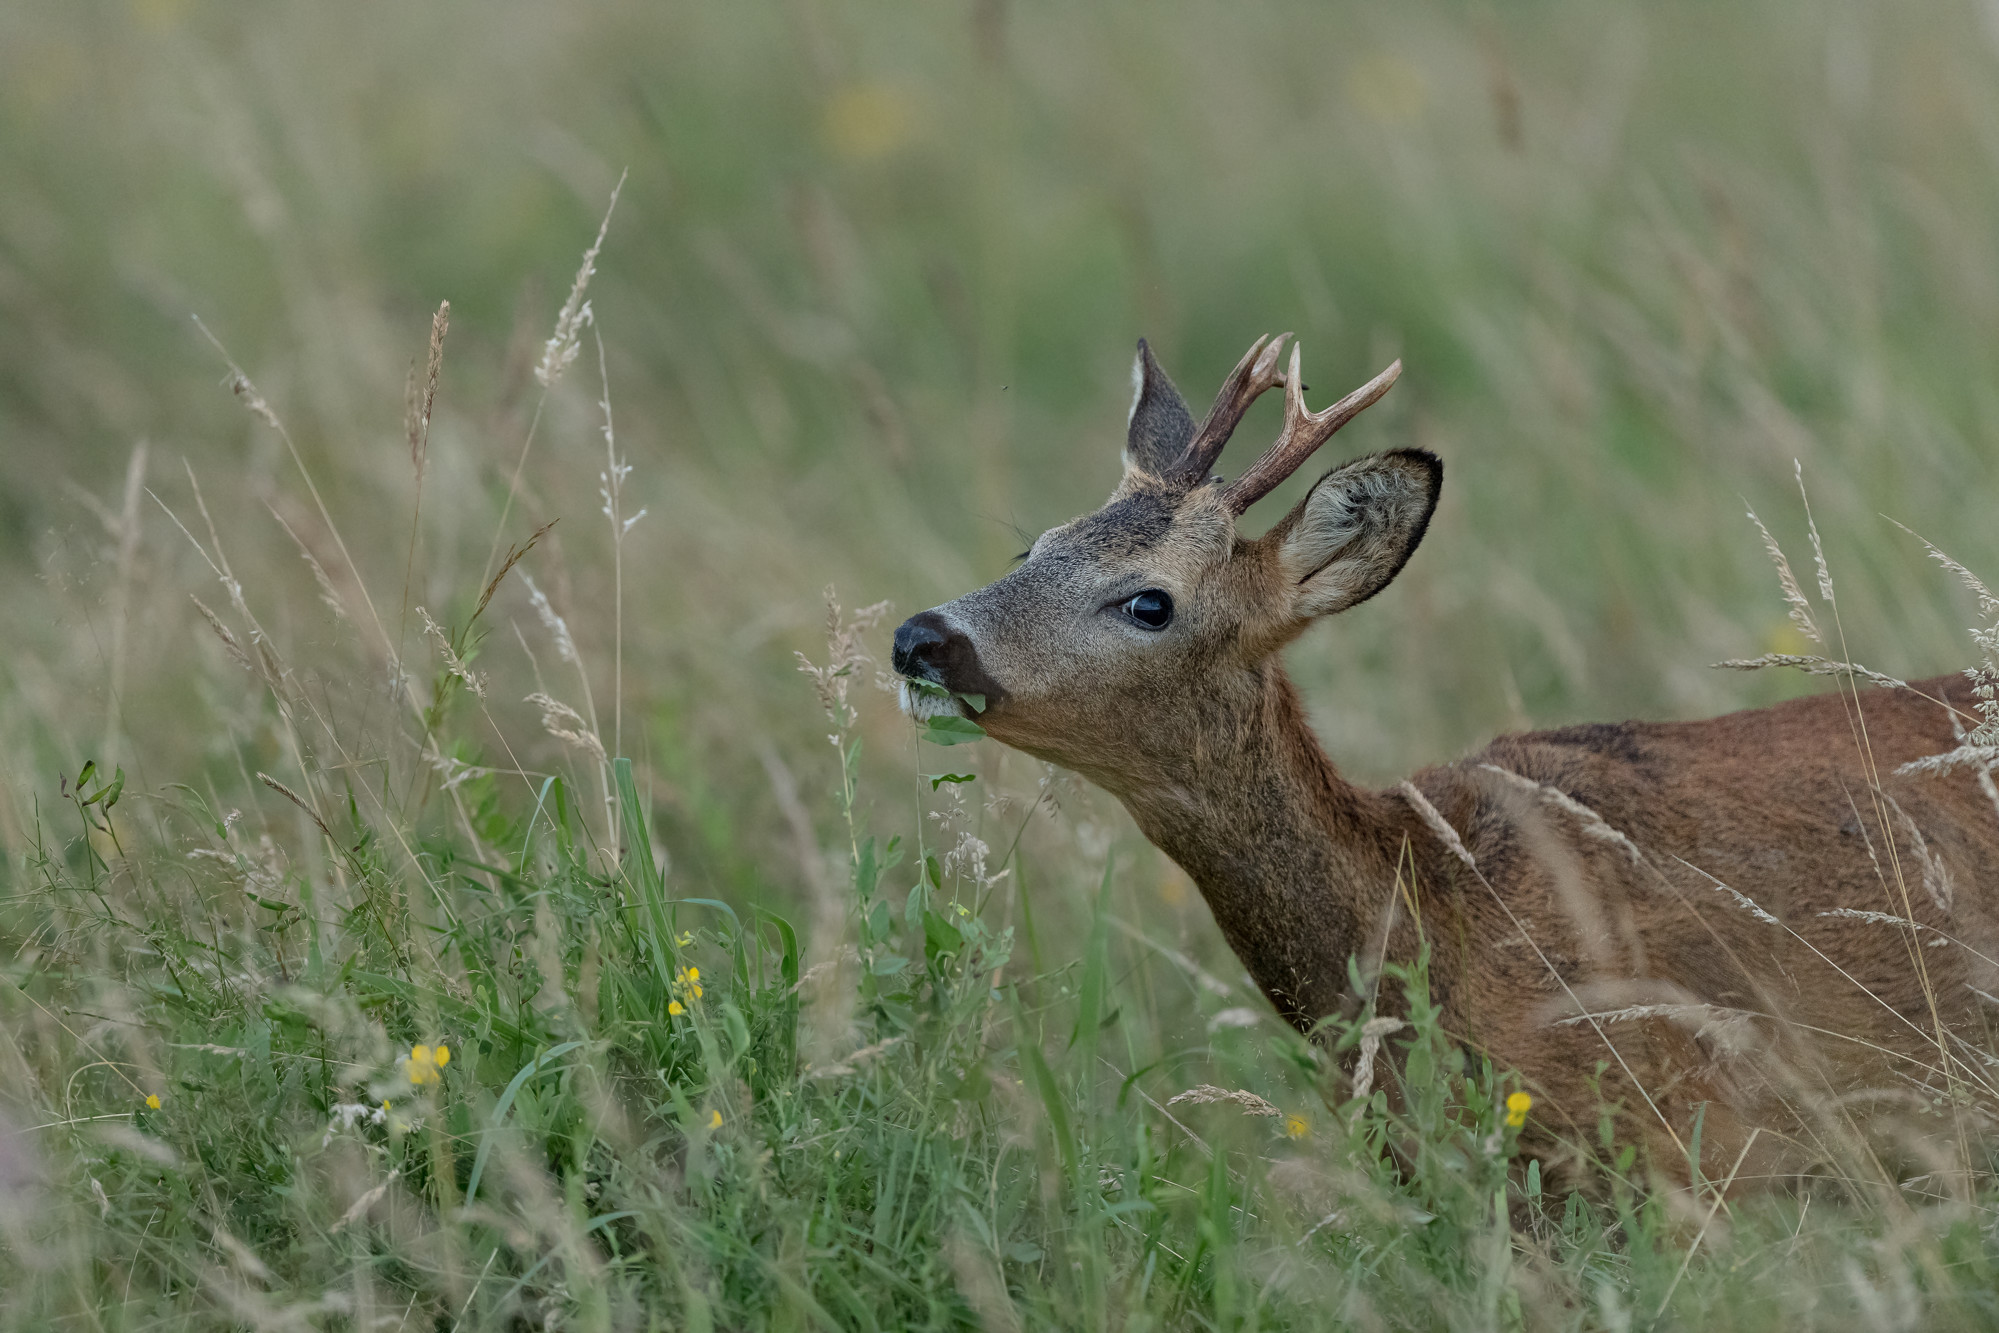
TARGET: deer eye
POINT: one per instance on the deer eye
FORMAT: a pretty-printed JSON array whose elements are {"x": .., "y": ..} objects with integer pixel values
[{"x": 1152, "y": 609}]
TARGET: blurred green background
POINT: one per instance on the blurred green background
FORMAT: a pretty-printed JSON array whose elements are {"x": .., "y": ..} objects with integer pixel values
[{"x": 868, "y": 302}]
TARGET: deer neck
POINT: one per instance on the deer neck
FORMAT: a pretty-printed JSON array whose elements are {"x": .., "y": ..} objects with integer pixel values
[{"x": 1296, "y": 863}]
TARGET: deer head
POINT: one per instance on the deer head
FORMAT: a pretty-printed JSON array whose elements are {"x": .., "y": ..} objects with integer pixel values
[{"x": 1126, "y": 634}]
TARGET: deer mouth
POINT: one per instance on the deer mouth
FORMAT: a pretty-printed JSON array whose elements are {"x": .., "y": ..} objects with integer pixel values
[
  {"x": 922, "y": 700},
  {"x": 941, "y": 671}
]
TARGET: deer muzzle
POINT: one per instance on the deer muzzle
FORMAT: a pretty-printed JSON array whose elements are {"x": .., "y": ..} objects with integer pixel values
[{"x": 929, "y": 647}]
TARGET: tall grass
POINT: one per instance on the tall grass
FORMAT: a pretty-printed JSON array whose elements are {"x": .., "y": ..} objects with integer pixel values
[
  {"x": 438, "y": 1056},
  {"x": 866, "y": 305},
  {"x": 502, "y": 1074}
]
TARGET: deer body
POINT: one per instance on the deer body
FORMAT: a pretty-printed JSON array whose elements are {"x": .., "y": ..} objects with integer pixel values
[{"x": 1649, "y": 897}]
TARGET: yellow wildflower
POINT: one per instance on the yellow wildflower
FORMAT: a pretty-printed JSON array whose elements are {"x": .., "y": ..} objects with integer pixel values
[
  {"x": 866, "y": 122},
  {"x": 714, "y": 1120},
  {"x": 1296, "y": 1126},
  {"x": 676, "y": 1008},
  {"x": 423, "y": 1064},
  {"x": 1516, "y": 1109},
  {"x": 688, "y": 981},
  {"x": 152, "y": 1101},
  {"x": 684, "y": 938}
]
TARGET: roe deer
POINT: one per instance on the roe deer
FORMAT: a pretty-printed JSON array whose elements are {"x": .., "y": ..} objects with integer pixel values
[{"x": 1751, "y": 915}]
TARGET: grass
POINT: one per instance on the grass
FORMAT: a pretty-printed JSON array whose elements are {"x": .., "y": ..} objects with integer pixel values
[
  {"x": 865, "y": 307},
  {"x": 529, "y": 1085}
]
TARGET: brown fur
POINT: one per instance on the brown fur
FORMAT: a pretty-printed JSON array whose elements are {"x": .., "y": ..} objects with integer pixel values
[{"x": 1605, "y": 867}]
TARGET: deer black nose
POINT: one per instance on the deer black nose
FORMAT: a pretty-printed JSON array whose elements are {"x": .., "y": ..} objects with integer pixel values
[
  {"x": 924, "y": 644},
  {"x": 929, "y": 647}
]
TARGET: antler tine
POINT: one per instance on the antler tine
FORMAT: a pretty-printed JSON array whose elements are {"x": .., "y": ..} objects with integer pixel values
[
  {"x": 1303, "y": 433},
  {"x": 1255, "y": 374}
]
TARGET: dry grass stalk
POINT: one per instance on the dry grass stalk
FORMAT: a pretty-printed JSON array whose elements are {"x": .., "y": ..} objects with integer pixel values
[
  {"x": 1979, "y": 758},
  {"x": 850, "y": 1062},
  {"x": 417, "y": 421},
  {"x": 125, "y": 528},
  {"x": 846, "y": 653},
  {"x": 297, "y": 800},
  {"x": 328, "y": 594},
  {"x": 1937, "y": 882},
  {"x": 1593, "y": 824},
  {"x": 1742, "y": 900},
  {"x": 611, "y": 485},
  {"x": 1730, "y": 1029},
  {"x": 453, "y": 663},
  {"x": 222, "y": 632},
  {"x": 1207, "y": 1094},
  {"x": 1447, "y": 835},
  {"x": 567, "y": 725},
  {"x": 1988, "y": 601},
  {"x": 1885, "y": 919},
  {"x": 557, "y": 353},
  {"x": 366, "y": 1201},
  {"x": 240, "y": 384},
  {"x": 259, "y": 655},
  {"x": 514, "y": 557},
  {"x": 1801, "y": 611},
  {"x": 557, "y": 627},
  {"x": 561, "y": 348},
  {"x": 580, "y": 730},
  {"x": 1818, "y": 547},
  {"x": 1436, "y": 823},
  {"x": 1813, "y": 666}
]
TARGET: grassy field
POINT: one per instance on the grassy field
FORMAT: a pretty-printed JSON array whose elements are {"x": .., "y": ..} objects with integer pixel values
[{"x": 417, "y": 915}]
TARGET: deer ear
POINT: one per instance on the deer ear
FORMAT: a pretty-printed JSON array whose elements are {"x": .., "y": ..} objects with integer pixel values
[
  {"x": 1356, "y": 529},
  {"x": 1161, "y": 426}
]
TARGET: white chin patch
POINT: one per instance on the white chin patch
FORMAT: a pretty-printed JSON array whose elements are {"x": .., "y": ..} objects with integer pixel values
[{"x": 924, "y": 705}]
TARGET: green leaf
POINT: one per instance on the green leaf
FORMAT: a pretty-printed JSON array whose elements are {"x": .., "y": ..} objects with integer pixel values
[
  {"x": 977, "y": 702},
  {"x": 643, "y": 873},
  {"x": 939, "y": 935},
  {"x": 939, "y": 779},
  {"x": 1052, "y": 1099},
  {"x": 788, "y": 964},
  {"x": 499, "y": 1112},
  {"x": 890, "y": 964},
  {"x": 952, "y": 731},
  {"x": 1095, "y": 984},
  {"x": 866, "y": 872}
]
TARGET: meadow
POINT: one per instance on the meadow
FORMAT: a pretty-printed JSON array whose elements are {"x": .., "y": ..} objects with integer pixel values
[{"x": 463, "y": 865}]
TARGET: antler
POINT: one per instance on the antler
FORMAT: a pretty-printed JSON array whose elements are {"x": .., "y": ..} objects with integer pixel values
[
  {"x": 1303, "y": 432},
  {"x": 1252, "y": 376}
]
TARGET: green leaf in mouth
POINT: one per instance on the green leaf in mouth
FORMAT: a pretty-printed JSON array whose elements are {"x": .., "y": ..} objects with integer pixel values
[{"x": 952, "y": 730}]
